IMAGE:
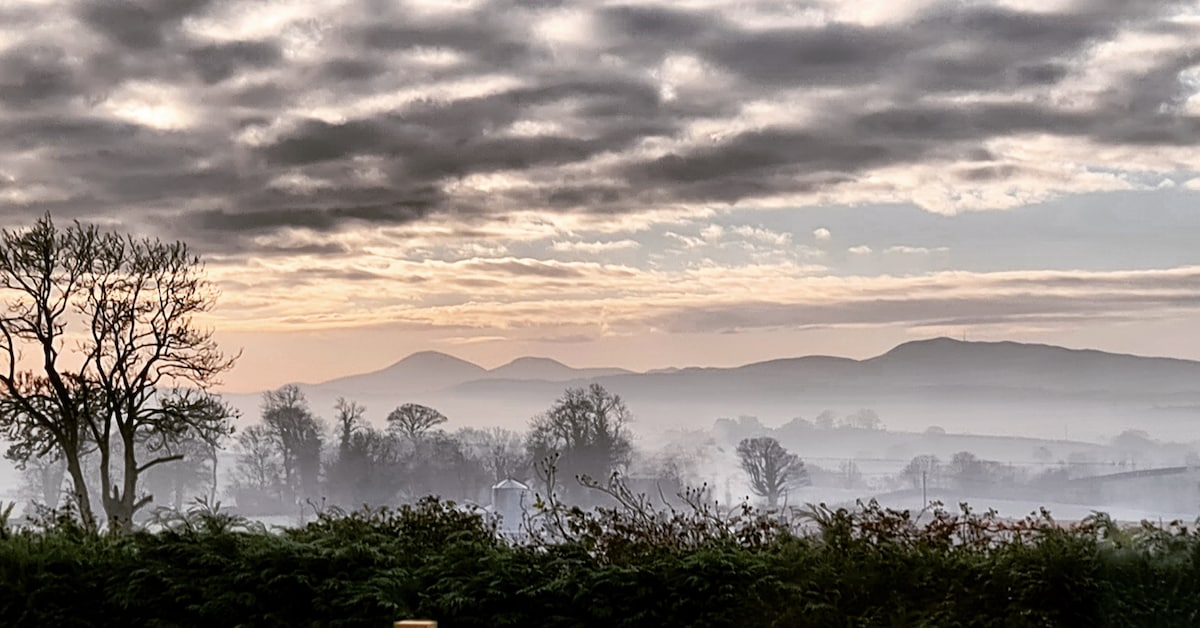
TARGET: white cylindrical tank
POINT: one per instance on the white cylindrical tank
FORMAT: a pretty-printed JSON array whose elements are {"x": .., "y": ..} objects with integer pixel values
[{"x": 510, "y": 500}]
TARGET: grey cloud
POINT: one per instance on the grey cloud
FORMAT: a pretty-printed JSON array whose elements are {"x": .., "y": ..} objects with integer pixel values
[
  {"x": 891, "y": 136},
  {"x": 988, "y": 173},
  {"x": 530, "y": 268},
  {"x": 495, "y": 35},
  {"x": 479, "y": 283},
  {"x": 603, "y": 98},
  {"x": 583, "y": 196},
  {"x": 429, "y": 141},
  {"x": 84, "y": 132},
  {"x": 326, "y": 249},
  {"x": 321, "y": 219},
  {"x": 645, "y": 34},
  {"x": 1031, "y": 319},
  {"x": 1041, "y": 73},
  {"x": 478, "y": 39},
  {"x": 138, "y": 24},
  {"x": 321, "y": 275},
  {"x": 344, "y": 69},
  {"x": 836, "y": 54},
  {"x": 33, "y": 76},
  {"x": 915, "y": 311},
  {"x": 316, "y": 141},
  {"x": 1046, "y": 297},
  {"x": 777, "y": 160},
  {"x": 261, "y": 96},
  {"x": 218, "y": 62},
  {"x": 660, "y": 24}
]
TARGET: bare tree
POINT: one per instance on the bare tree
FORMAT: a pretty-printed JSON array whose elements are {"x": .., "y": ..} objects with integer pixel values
[
  {"x": 826, "y": 420},
  {"x": 297, "y": 435},
  {"x": 348, "y": 420},
  {"x": 140, "y": 370},
  {"x": 195, "y": 475},
  {"x": 587, "y": 428},
  {"x": 967, "y": 470},
  {"x": 863, "y": 419},
  {"x": 921, "y": 470},
  {"x": 258, "y": 476},
  {"x": 42, "y": 480},
  {"x": 501, "y": 451},
  {"x": 851, "y": 475},
  {"x": 440, "y": 464},
  {"x": 365, "y": 468},
  {"x": 413, "y": 420},
  {"x": 773, "y": 471}
]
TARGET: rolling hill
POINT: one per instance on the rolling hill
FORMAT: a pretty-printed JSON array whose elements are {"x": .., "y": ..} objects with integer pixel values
[{"x": 974, "y": 385}]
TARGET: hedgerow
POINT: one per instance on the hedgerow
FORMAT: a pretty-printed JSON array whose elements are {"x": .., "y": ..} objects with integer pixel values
[{"x": 628, "y": 565}]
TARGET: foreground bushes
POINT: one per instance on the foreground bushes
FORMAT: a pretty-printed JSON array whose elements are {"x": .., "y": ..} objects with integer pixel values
[{"x": 626, "y": 566}]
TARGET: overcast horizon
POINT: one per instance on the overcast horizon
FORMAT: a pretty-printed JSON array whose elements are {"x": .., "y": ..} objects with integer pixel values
[{"x": 640, "y": 185}]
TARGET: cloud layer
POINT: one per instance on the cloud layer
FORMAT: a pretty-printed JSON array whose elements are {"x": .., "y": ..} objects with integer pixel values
[
  {"x": 572, "y": 168},
  {"x": 222, "y": 119}
]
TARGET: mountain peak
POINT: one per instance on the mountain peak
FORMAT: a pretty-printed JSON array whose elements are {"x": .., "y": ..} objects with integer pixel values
[
  {"x": 420, "y": 372},
  {"x": 532, "y": 361},
  {"x": 434, "y": 359},
  {"x": 943, "y": 345},
  {"x": 547, "y": 369}
]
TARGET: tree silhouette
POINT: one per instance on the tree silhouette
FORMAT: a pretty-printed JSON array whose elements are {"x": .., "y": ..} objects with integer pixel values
[
  {"x": 297, "y": 435},
  {"x": 772, "y": 470},
  {"x": 122, "y": 366},
  {"x": 413, "y": 420},
  {"x": 587, "y": 429}
]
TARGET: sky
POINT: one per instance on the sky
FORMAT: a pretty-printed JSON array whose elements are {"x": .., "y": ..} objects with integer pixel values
[{"x": 637, "y": 184}]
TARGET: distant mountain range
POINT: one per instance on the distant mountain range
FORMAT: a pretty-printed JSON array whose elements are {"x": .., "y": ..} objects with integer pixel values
[
  {"x": 430, "y": 371},
  {"x": 936, "y": 372},
  {"x": 925, "y": 365}
]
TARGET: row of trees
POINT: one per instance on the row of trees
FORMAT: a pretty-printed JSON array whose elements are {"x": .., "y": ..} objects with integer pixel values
[
  {"x": 585, "y": 434},
  {"x": 292, "y": 456}
]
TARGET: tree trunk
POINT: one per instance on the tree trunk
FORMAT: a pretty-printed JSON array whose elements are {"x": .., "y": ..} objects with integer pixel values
[
  {"x": 177, "y": 489},
  {"x": 82, "y": 499},
  {"x": 121, "y": 518},
  {"x": 212, "y": 494},
  {"x": 119, "y": 504},
  {"x": 52, "y": 477}
]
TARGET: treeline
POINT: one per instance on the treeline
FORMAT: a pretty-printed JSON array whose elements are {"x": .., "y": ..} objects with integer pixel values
[
  {"x": 624, "y": 566},
  {"x": 293, "y": 457}
]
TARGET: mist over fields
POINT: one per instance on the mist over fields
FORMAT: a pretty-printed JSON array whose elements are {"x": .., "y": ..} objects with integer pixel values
[
  {"x": 996, "y": 389},
  {"x": 1028, "y": 408}
]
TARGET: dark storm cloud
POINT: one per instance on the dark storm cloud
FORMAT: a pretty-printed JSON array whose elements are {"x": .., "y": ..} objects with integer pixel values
[{"x": 320, "y": 99}]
